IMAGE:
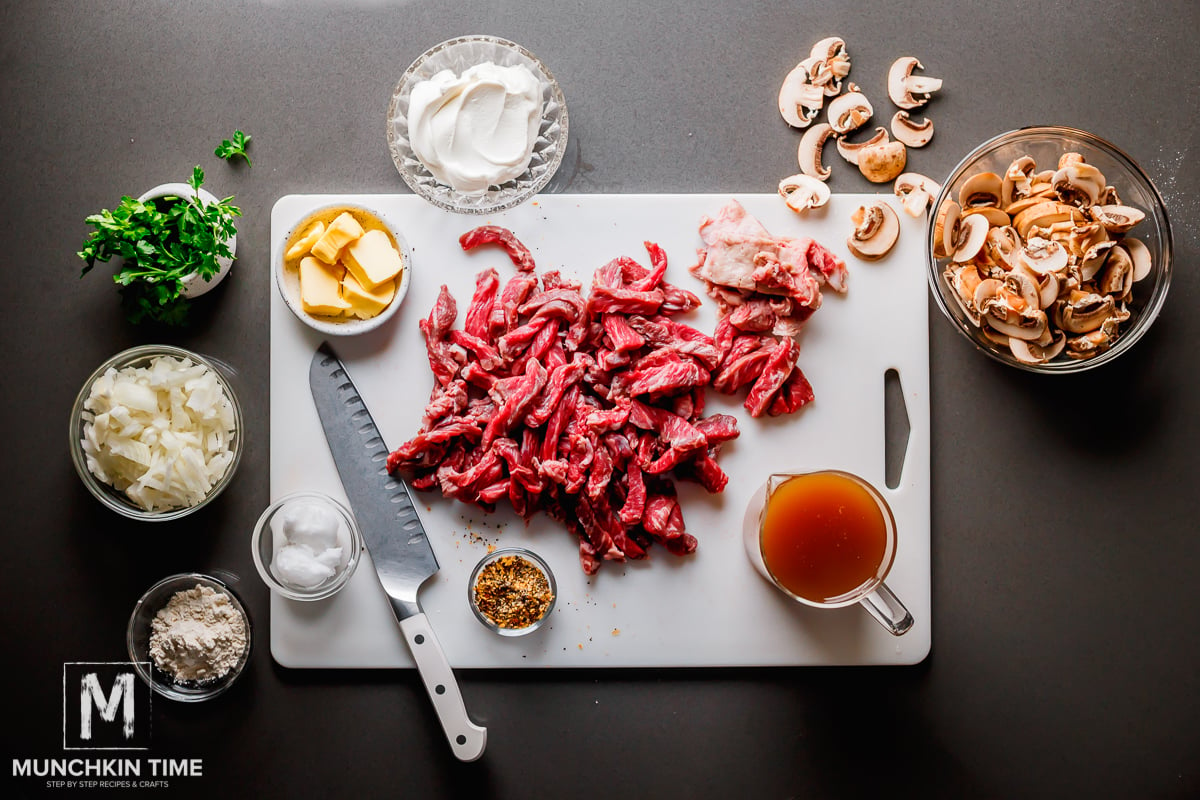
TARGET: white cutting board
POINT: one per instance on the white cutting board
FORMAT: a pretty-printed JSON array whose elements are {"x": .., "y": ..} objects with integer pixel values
[{"x": 708, "y": 609}]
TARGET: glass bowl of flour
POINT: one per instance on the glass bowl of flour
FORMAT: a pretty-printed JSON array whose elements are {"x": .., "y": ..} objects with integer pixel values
[
  {"x": 189, "y": 637},
  {"x": 306, "y": 546}
]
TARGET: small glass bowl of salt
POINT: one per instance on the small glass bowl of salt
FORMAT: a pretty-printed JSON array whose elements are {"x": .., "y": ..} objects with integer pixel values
[{"x": 306, "y": 546}]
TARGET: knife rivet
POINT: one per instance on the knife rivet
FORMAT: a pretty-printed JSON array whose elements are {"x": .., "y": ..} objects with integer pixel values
[
  {"x": 419, "y": 638},
  {"x": 461, "y": 739},
  {"x": 440, "y": 689}
]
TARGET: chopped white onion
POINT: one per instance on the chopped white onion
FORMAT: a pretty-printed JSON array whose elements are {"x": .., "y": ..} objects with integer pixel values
[{"x": 162, "y": 434}]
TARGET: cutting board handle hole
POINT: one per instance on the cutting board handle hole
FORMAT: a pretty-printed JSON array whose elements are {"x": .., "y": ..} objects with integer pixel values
[{"x": 896, "y": 428}]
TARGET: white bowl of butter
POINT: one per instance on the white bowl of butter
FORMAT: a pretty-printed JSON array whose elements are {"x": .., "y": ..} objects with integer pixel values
[
  {"x": 344, "y": 269},
  {"x": 458, "y": 88}
]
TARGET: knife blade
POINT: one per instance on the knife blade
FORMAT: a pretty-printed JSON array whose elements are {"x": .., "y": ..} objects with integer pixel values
[{"x": 395, "y": 538}]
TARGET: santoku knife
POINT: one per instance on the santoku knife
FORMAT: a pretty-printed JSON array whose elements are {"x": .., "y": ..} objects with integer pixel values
[{"x": 395, "y": 538}]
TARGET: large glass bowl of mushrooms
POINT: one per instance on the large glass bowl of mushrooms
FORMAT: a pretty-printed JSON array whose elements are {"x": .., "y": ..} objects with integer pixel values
[{"x": 1049, "y": 249}]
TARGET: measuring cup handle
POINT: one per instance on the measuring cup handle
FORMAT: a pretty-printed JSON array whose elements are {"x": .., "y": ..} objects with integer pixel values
[{"x": 887, "y": 610}]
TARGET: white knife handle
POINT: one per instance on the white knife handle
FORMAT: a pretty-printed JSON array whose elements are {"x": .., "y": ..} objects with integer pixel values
[{"x": 467, "y": 739}]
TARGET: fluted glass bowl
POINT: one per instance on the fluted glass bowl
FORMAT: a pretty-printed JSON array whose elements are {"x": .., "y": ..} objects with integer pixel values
[
  {"x": 457, "y": 55},
  {"x": 1045, "y": 145}
]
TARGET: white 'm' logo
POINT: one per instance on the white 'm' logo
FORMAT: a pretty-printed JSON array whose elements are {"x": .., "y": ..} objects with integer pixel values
[{"x": 90, "y": 694}]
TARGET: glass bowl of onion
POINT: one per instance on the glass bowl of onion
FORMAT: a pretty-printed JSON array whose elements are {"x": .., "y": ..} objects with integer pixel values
[
  {"x": 491, "y": 174},
  {"x": 156, "y": 432}
]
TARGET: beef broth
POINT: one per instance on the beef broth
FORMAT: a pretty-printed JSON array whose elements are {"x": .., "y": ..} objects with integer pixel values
[{"x": 823, "y": 536}]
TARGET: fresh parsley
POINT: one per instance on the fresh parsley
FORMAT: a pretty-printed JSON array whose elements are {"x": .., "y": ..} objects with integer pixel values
[
  {"x": 229, "y": 149},
  {"x": 160, "y": 242}
]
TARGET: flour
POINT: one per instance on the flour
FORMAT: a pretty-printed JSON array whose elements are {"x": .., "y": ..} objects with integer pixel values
[{"x": 199, "y": 635}]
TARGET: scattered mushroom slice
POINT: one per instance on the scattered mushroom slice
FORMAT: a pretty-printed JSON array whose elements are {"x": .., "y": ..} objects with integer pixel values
[
  {"x": 799, "y": 100},
  {"x": 1035, "y": 352},
  {"x": 916, "y": 192},
  {"x": 802, "y": 192},
  {"x": 968, "y": 236},
  {"x": 1140, "y": 253},
  {"x": 913, "y": 134},
  {"x": 833, "y": 64},
  {"x": 910, "y": 91},
  {"x": 809, "y": 152},
  {"x": 1078, "y": 184},
  {"x": 1083, "y": 312},
  {"x": 981, "y": 190},
  {"x": 1117, "y": 219},
  {"x": 850, "y": 150},
  {"x": 849, "y": 112},
  {"x": 876, "y": 230},
  {"x": 882, "y": 162}
]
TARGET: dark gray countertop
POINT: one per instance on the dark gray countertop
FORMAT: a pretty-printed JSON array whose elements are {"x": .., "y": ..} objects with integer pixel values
[{"x": 1064, "y": 510}]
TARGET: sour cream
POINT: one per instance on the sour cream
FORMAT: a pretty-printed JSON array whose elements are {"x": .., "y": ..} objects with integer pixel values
[{"x": 478, "y": 129}]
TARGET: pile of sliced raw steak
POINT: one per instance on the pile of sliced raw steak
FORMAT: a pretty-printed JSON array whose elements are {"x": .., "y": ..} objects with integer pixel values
[{"x": 586, "y": 406}]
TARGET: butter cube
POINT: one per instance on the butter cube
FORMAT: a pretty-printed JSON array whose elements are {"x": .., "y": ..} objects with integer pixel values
[
  {"x": 303, "y": 245},
  {"x": 366, "y": 303},
  {"x": 343, "y": 230},
  {"x": 372, "y": 259},
  {"x": 319, "y": 288}
]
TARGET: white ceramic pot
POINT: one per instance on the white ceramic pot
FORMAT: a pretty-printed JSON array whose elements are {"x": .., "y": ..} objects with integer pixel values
[{"x": 194, "y": 285}]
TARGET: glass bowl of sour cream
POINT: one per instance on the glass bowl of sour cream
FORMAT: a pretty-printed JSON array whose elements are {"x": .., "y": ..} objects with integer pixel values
[
  {"x": 477, "y": 124},
  {"x": 306, "y": 546}
]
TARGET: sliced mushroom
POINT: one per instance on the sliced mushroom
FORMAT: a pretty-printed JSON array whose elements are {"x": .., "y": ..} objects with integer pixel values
[
  {"x": 1117, "y": 219},
  {"x": 1084, "y": 237},
  {"x": 948, "y": 211},
  {"x": 994, "y": 216},
  {"x": 1140, "y": 254},
  {"x": 1017, "y": 206},
  {"x": 1070, "y": 157},
  {"x": 1045, "y": 214},
  {"x": 1116, "y": 278},
  {"x": 1083, "y": 312},
  {"x": 1035, "y": 352},
  {"x": 968, "y": 235},
  {"x": 1110, "y": 197},
  {"x": 832, "y": 64},
  {"x": 1043, "y": 256},
  {"x": 1093, "y": 342},
  {"x": 799, "y": 100},
  {"x": 913, "y": 134},
  {"x": 1002, "y": 245},
  {"x": 981, "y": 190},
  {"x": 876, "y": 229},
  {"x": 1017, "y": 183},
  {"x": 1093, "y": 259},
  {"x": 849, "y": 112},
  {"x": 850, "y": 150},
  {"x": 808, "y": 155},
  {"x": 1048, "y": 284},
  {"x": 802, "y": 192},
  {"x": 910, "y": 91},
  {"x": 1078, "y": 184},
  {"x": 964, "y": 280},
  {"x": 882, "y": 162},
  {"x": 1010, "y": 306},
  {"x": 916, "y": 192}
]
